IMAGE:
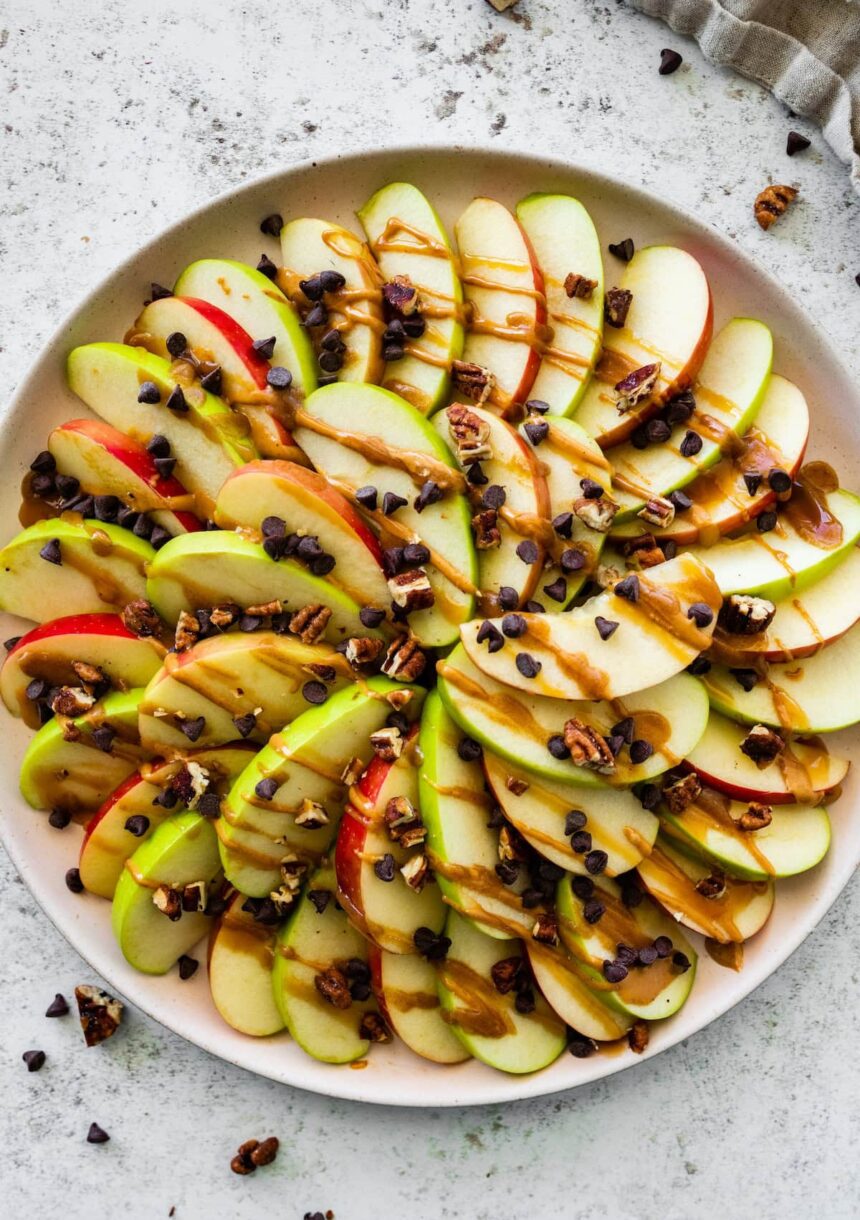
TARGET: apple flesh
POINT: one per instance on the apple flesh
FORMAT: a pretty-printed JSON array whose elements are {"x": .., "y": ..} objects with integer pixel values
[
  {"x": 560, "y": 978},
  {"x": 562, "y": 235},
  {"x": 405, "y": 986},
  {"x": 669, "y": 321},
  {"x": 503, "y": 286},
  {"x": 48, "y": 652},
  {"x": 407, "y": 238},
  {"x": 241, "y": 952}
]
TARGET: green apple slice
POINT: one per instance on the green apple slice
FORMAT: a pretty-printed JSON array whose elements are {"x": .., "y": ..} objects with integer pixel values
[
  {"x": 656, "y": 638},
  {"x": 241, "y": 952},
  {"x": 260, "y": 308},
  {"x": 209, "y": 568},
  {"x": 616, "y": 820},
  {"x": 560, "y": 978},
  {"x": 363, "y": 436},
  {"x": 728, "y": 391},
  {"x": 564, "y": 241},
  {"x": 228, "y": 677},
  {"x": 208, "y": 439},
  {"x": 75, "y": 775},
  {"x": 647, "y": 992},
  {"x": 671, "y": 877},
  {"x": 309, "y": 246},
  {"x": 182, "y": 851},
  {"x": 517, "y": 726},
  {"x": 407, "y": 238},
  {"x": 406, "y": 987},
  {"x": 310, "y": 943},
  {"x": 486, "y": 1022},
  {"x": 795, "y": 841},
  {"x": 102, "y": 567},
  {"x": 464, "y": 850}
]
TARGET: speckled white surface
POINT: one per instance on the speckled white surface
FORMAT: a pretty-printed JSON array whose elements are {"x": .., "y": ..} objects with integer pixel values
[{"x": 115, "y": 120}]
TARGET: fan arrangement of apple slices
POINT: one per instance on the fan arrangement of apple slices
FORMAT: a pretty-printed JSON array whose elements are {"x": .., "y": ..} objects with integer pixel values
[{"x": 446, "y": 634}]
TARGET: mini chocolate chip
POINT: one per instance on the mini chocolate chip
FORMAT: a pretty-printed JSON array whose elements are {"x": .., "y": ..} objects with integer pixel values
[
  {"x": 148, "y": 393},
  {"x": 59, "y": 819},
  {"x": 631, "y": 892},
  {"x": 582, "y": 886},
  {"x": 246, "y": 724},
  {"x": 795, "y": 143},
  {"x": 670, "y": 61},
  {"x": 158, "y": 446},
  {"x": 701, "y": 614},
  {"x": 105, "y": 508},
  {"x": 647, "y": 955},
  {"x": 596, "y": 861},
  {"x": 580, "y": 841},
  {"x": 640, "y": 750},
  {"x": 73, "y": 881},
  {"x": 614, "y": 972},
  {"x": 557, "y": 748},
  {"x": 469, "y": 750},
  {"x": 11, "y": 642},
  {"x": 590, "y": 489},
  {"x": 753, "y": 482},
  {"x": 625, "y": 954},
  {"x": 158, "y": 537},
  {"x": 319, "y": 899},
  {"x": 494, "y": 496},
  {"x": 264, "y": 347},
  {"x": 691, "y": 444},
  {"x": 593, "y": 910},
  {"x": 628, "y": 588},
  {"x": 34, "y": 1060},
  {"x": 332, "y": 341},
  {"x": 623, "y": 249},
  {"x": 527, "y": 665},
  {"x": 766, "y": 521},
  {"x": 624, "y": 729},
  {"x": 430, "y": 493},
  {"x": 209, "y": 805},
  {"x": 58, "y": 1007},
  {"x": 272, "y": 224},
  {"x": 745, "y": 678},
  {"x": 563, "y": 524},
  {"x": 266, "y": 789},
  {"x": 475, "y": 475},
  {"x": 332, "y": 281},
  {"x": 385, "y": 867},
  {"x": 528, "y": 551},
  {"x": 649, "y": 796},
  {"x": 391, "y": 502},
  {"x": 187, "y": 966},
  {"x": 370, "y": 617},
  {"x": 513, "y": 626},
  {"x": 657, "y": 431},
  {"x": 267, "y": 268},
  {"x": 663, "y": 945},
  {"x": 165, "y": 466},
  {"x": 779, "y": 480},
  {"x": 158, "y": 292},
  {"x": 414, "y": 326},
  {"x": 680, "y": 500},
  {"x": 213, "y": 381},
  {"x": 43, "y": 485},
  {"x": 392, "y": 560},
  {"x": 367, "y": 497},
  {"x": 192, "y": 728},
  {"x": 581, "y": 1048},
  {"x": 680, "y": 408},
  {"x": 557, "y": 589},
  {"x": 314, "y": 692},
  {"x": 699, "y": 665},
  {"x": 507, "y": 871},
  {"x": 576, "y": 820},
  {"x": 331, "y": 362},
  {"x": 572, "y": 560},
  {"x": 36, "y": 689},
  {"x": 176, "y": 399},
  {"x": 537, "y": 431},
  {"x": 137, "y": 825},
  {"x": 537, "y": 406},
  {"x": 605, "y": 626},
  {"x": 415, "y": 554},
  {"x": 488, "y": 633},
  {"x": 51, "y": 553},
  {"x": 533, "y": 607},
  {"x": 279, "y": 378},
  {"x": 432, "y": 945},
  {"x": 508, "y": 598},
  {"x": 680, "y": 961},
  {"x": 616, "y": 743},
  {"x": 176, "y": 344},
  {"x": 96, "y": 1135}
]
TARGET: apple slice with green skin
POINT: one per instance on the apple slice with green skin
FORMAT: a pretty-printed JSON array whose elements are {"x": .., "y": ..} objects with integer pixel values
[
  {"x": 405, "y": 987},
  {"x": 407, "y": 238},
  {"x": 560, "y": 978},
  {"x": 517, "y": 725},
  {"x": 309, "y": 246},
  {"x": 183, "y": 850},
  {"x": 728, "y": 393},
  {"x": 487, "y": 1022},
  {"x": 197, "y": 571},
  {"x": 562, "y": 235},
  {"x": 805, "y": 770},
  {"x": 615, "y": 819},
  {"x": 669, "y": 322},
  {"x": 392, "y": 447},
  {"x": 311, "y": 942},
  {"x": 208, "y": 439},
  {"x": 736, "y": 914},
  {"x": 241, "y": 952},
  {"x": 308, "y": 504},
  {"x": 818, "y": 695},
  {"x": 795, "y": 841},
  {"x": 257, "y": 304},
  {"x": 48, "y": 652},
  {"x": 107, "y": 462},
  {"x": 646, "y": 992},
  {"x": 100, "y": 567},
  {"x": 228, "y": 677},
  {"x": 656, "y": 637},
  {"x": 503, "y": 287},
  {"x": 306, "y": 762},
  {"x": 108, "y": 844},
  {"x": 721, "y": 500}
]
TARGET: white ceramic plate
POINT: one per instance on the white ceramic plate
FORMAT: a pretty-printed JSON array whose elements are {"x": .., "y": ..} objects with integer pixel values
[{"x": 228, "y": 227}]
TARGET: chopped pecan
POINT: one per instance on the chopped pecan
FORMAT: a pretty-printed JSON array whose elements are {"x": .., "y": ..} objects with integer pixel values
[
  {"x": 292, "y": 870},
  {"x": 607, "y": 576},
  {"x": 194, "y": 896},
  {"x": 545, "y": 930},
  {"x": 404, "y": 659},
  {"x": 757, "y": 817},
  {"x": 187, "y": 631},
  {"x": 486, "y": 529},
  {"x": 333, "y": 987},
  {"x": 616, "y": 306},
  {"x": 473, "y": 380},
  {"x": 401, "y": 295},
  {"x": 636, "y": 387},
  {"x": 265, "y": 609},
  {"x": 743, "y": 614},
  {"x": 89, "y": 675},
  {"x": 140, "y": 618},
  {"x": 416, "y": 872},
  {"x": 762, "y": 745},
  {"x": 517, "y": 786},
  {"x": 587, "y": 747},
  {"x": 168, "y": 901},
  {"x": 71, "y": 732},
  {"x": 772, "y": 202},
  {"x": 100, "y": 1013},
  {"x": 373, "y": 1028},
  {"x": 363, "y": 650},
  {"x": 512, "y": 846},
  {"x": 224, "y": 616},
  {"x": 190, "y": 782},
  {"x": 644, "y": 551},
  {"x": 412, "y": 590},
  {"x": 470, "y": 434},
  {"x": 399, "y": 698},
  {"x": 507, "y": 974},
  {"x": 712, "y": 886},
  {"x": 403, "y": 822},
  {"x": 352, "y": 771},
  {"x": 71, "y": 701},
  {"x": 658, "y": 511},
  {"x": 596, "y": 514},
  {"x": 682, "y": 792},
  {"x": 283, "y": 899},
  {"x": 579, "y": 286},
  {"x": 387, "y": 743},
  {"x": 637, "y": 1036},
  {"x": 311, "y": 815},
  {"x": 310, "y": 622}
]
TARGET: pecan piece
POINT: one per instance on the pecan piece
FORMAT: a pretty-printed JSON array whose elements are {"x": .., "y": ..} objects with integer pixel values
[
  {"x": 486, "y": 529},
  {"x": 512, "y": 846},
  {"x": 140, "y": 618},
  {"x": 580, "y": 286},
  {"x": 772, "y": 202},
  {"x": 506, "y": 974},
  {"x": 224, "y": 616},
  {"x": 387, "y": 743},
  {"x": 616, "y": 306},
  {"x": 187, "y": 631},
  {"x": 403, "y": 822},
  {"x": 373, "y": 1028},
  {"x": 743, "y": 614},
  {"x": 401, "y": 296},
  {"x": 416, "y": 872},
  {"x": 473, "y": 380},
  {"x": 587, "y": 747},
  {"x": 265, "y": 609},
  {"x": 757, "y": 817},
  {"x": 311, "y": 815},
  {"x": 333, "y": 987},
  {"x": 190, "y": 782},
  {"x": 545, "y": 930},
  {"x": 363, "y": 650},
  {"x": 168, "y": 901},
  {"x": 636, "y": 387},
  {"x": 712, "y": 886},
  {"x": 637, "y": 1037},
  {"x": 194, "y": 896},
  {"x": 658, "y": 511},
  {"x": 469, "y": 433},
  {"x": 682, "y": 792},
  {"x": 351, "y": 773},
  {"x": 88, "y": 675},
  {"x": 596, "y": 514},
  {"x": 100, "y": 1013},
  {"x": 411, "y": 590},
  {"x": 644, "y": 551},
  {"x": 310, "y": 622},
  {"x": 404, "y": 659},
  {"x": 71, "y": 701},
  {"x": 762, "y": 745},
  {"x": 517, "y": 786}
]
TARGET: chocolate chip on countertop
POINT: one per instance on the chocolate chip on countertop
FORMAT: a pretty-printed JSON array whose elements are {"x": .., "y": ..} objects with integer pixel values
[
  {"x": 96, "y": 1135},
  {"x": 58, "y": 1007},
  {"x": 623, "y": 249},
  {"x": 34, "y": 1060},
  {"x": 670, "y": 61},
  {"x": 795, "y": 143}
]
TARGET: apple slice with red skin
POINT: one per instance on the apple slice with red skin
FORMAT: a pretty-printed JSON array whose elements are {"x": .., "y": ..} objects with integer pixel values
[
  {"x": 107, "y": 462},
  {"x": 239, "y": 961},
  {"x": 388, "y": 913},
  {"x": 48, "y": 651},
  {"x": 405, "y": 989},
  {"x": 503, "y": 286}
]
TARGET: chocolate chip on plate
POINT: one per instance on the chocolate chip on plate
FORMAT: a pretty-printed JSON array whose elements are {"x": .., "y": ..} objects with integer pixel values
[
  {"x": 623, "y": 249},
  {"x": 272, "y": 224}
]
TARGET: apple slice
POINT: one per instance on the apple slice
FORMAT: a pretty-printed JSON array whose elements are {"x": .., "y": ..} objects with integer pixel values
[
  {"x": 241, "y": 952},
  {"x": 316, "y": 939},
  {"x": 100, "y": 567},
  {"x": 226, "y": 679},
  {"x": 196, "y": 571},
  {"x": 648, "y": 992},
  {"x": 308, "y": 505},
  {"x": 804, "y": 771},
  {"x": 560, "y": 978},
  {"x": 562, "y": 235},
  {"x": 669, "y": 323},
  {"x": 795, "y": 841},
  {"x": 564, "y": 656},
  {"x": 517, "y": 726},
  {"x": 538, "y": 808},
  {"x": 732, "y": 916},
  {"x": 505, "y": 297},
  {"x": 360, "y": 437},
  {"x": 310, "y": 246},
  {"x": 488, "y": 1023},
  {"x": 306, "y": 763},
  {"x": 728, "y": 393},
  {"x": 817, "y": 695},
  {"x": 406, "y": 988},
  {"x": 721, "y": 500},
  {"x": 107, "y": 462},
  {"x": 207, "y": 439},
  {"x": 387, "y": 912},
  {"x": 49, "y": 651},
  {"x": 408, "y": 239},
  {"x": 108, "y": 844},
  {"x": 182, "y": 851}
]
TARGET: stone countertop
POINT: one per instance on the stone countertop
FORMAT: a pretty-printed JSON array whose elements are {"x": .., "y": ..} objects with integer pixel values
[{"x": 117, "y": 120}]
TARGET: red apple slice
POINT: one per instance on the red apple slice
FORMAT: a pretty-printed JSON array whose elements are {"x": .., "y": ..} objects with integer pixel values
[
  {"x": 669, "y": 323},
  {"x": 49, "y": 650},
  {"x": 405, "y": 987},
  {"x": 503, "y": 287}
]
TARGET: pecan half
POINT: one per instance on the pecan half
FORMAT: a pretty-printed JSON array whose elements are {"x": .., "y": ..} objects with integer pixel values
[
  {"x": 469, "y": 433},
  {"x": 473, "y": 380},
  {"x": 100, "y": 1014},
  {"x": 682, "y": 792},
  {"x": 596, "y": 514},
  {"x": 757, "y": 817},
  {"x": 404, "y": 659},
  {"x": 762, "y": 745},
  {"x": 743, "y": 614},
  {"x": 401, "y": 295},
  {"x": 140, "y": 618},
  {"x": 486, "y": 529},
  {"x": 636, "y": 387},
  {"x": 580, "y": 286},
  {"x": 587, "y": 747},
  {"x": 310, "y": 622},
  {"x": 771, "y": 203},
  {"x": 412, "y": 590},
  {"x": 616, "y": 306},
  {"x": 658, "y": 511},
  {"x": 265, "y": 609},
  {"x": 333, "y": 987}
]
